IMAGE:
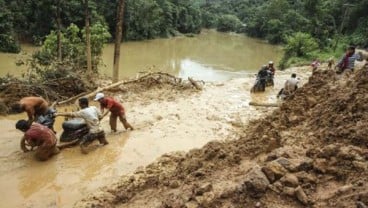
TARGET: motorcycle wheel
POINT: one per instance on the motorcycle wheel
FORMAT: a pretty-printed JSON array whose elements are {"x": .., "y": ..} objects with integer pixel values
[{"x": 67, "y": 137}]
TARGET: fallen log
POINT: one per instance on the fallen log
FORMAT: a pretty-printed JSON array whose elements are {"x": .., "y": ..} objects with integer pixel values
[
  {"x": 264, "y": 104},
  {"x": 194, "y": 83},
  {"x": 151, "y": 75}
]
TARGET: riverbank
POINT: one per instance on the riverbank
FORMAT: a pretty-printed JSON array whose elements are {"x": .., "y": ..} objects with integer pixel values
[
  {"x": 166, "y": 119},
  {"x": 312, "y": 151}
]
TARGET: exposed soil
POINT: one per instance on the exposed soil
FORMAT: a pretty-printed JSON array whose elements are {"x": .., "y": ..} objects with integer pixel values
[
  {"x": 167, "y": 117},
  {"x": 312, "y": 151}
]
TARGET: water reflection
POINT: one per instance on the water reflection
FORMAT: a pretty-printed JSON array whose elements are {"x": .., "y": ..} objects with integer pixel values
[
  {"x": 219, "y": 51},
  {"x": 190, "y": 68}
]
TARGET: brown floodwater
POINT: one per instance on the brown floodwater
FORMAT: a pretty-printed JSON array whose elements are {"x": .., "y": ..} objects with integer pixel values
[
  {"x": 173, "y": 121},
  {"x": 208, "y": 56},
  {"x": 170, "y": 122}
]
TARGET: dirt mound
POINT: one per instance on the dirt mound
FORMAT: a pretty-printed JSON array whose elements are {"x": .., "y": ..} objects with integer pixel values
[
  {"x": 310, "y": 152},
  {"x": 57, "y": 87}
]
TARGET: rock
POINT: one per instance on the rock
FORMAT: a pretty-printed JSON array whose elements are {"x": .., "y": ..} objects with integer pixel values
[
  {"x": 205, "y": 200},
  {"x": 290, "y": 180},
  {"x": 328, "y": 151},
  {"x": 174, "y": 184},
  {"x": 203, "y": 189},
  {"x": 361, "y": 166},
  {"x": 361, "y": 205},
  {"x": 271, "y": 156},
  {"x": 304, "y": 177},
  {"x": 191, "y": 204},
  {"x": 346, "y": 154},
  {"x": 294, "y": 165},
  {"x": 256, "y": 182},
  {"x": 301, "y": 196},
  {"x": 288, "y": 191},
  {"x": 345, "y": 189},
  {"x": 274, "y": 171},
  {"x": 258, "y": 204},
  {"x": 320, "y": 165}
]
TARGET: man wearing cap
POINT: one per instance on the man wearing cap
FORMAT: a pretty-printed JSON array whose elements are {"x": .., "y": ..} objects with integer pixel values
[
  {"x": 116, "y": 109},
  {"x": 37, "y": 135},
  {"x": 91, "y": 116},
  {"x": 271, "y": 68}
]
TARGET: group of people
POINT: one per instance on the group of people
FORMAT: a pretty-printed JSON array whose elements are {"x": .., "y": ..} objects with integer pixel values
[
  {"x": 264, "y": 77},
  {"x": 43, "y": 137},
  {"x": 345, "y": 64},
  {"x": 267, "y": 73}
]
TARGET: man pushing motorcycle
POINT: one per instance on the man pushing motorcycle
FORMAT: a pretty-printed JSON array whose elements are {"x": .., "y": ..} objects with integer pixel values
[{"x": 91, "y": 116}]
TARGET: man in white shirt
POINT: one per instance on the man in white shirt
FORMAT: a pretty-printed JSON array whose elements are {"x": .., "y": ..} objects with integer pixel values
[
  {"x": 290, "y": 86},
  {"x": 91, "y": 116}
]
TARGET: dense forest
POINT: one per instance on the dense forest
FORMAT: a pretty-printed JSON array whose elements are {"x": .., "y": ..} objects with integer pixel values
[{"x": 323, "y": 24}]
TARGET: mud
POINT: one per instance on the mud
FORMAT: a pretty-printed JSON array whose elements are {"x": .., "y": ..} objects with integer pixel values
[
  {"x": 311, "y": 152},
  {"x": 167, "y": 119}
]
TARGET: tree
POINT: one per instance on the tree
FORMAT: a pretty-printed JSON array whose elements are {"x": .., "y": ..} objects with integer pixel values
[
  {"x": 7, "y": 41},
  {"x": 118, "y": 36},
  {"x": 300, "y": 44},
  {"x": 227, "y": 23},
  {"x": 88, "y": 39},
  {"x": 58, "y": 22}
]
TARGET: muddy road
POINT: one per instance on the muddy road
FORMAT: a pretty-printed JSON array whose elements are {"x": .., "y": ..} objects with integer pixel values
[{"x": 165, "y": 120}]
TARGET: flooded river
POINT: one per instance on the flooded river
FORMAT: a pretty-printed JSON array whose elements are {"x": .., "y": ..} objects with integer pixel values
[
  {"x": 164, "y": 120},
  {"x": 208, "y": 56}
]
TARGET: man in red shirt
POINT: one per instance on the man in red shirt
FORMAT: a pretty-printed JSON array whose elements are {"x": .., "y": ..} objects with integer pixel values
[
  {"x": 37, "y": 135},
  {"x": 116, "y": 109},
  {"x": 33, "y": 106}
]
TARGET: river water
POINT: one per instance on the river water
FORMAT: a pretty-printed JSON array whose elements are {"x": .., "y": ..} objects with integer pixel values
[
  {"x": 208, "y": 56},
  {"x": 180, "y": 123}
]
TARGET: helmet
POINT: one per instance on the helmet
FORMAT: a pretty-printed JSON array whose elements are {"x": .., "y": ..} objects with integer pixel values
[
  {"x": 99, "y": 96},
  {"x": 270, "y": 62}
]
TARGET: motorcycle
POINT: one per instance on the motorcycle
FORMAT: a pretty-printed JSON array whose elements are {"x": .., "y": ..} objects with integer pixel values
[
  {"x": 73, "y": 130},
  {"x": 259, "y": 86},
  {"x": 48, "y": 119},
  {"x": 269, "y": 80}
]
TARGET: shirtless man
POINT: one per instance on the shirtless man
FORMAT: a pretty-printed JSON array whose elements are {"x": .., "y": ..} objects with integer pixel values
[{"x": 33, "y": 106}]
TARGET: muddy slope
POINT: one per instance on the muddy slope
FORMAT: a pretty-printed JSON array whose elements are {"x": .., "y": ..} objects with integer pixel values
[{"x": 312, "y": 151}]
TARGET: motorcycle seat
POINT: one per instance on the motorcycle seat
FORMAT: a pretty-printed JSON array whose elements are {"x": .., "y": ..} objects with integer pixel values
[{"x": 74, "y": 124}]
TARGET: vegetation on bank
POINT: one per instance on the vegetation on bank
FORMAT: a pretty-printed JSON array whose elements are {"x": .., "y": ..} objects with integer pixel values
[{"x": 328, "y": 24}]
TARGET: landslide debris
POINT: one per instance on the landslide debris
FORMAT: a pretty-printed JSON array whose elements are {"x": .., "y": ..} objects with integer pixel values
[{"x": 311, "y": 152}]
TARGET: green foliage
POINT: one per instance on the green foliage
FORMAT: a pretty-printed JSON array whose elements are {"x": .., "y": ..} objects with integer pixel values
[
  {"x": 144, "y": 20},
  {"x": 73, "y": 49},
  {"x": 300, "y": 44},
  {"x": 227, "y": 23},
  {"x": 7, "y": 41}
]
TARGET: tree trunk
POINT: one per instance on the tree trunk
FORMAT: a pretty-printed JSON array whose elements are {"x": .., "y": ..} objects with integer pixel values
[
  {"x": 58, "y": 22},
  {"x": 118, "y": 37},
  {"x": 88, "y": 39}
]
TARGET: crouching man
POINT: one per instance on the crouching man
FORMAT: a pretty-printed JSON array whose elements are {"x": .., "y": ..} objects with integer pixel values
[
  {"x": 37, "y": 135},
  {"x": 91, "y": 116}
]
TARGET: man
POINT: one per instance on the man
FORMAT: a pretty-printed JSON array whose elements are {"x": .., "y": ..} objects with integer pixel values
[
  {"x": 290, "y": 86},
  {"x": 91, "y": 116},
  {"x": 315, "y": 64},
  {"x": 37, "y": 135},
  {"x": 271, "y": 68},
  {"x": 116, "y": 109},
  {"x": 347, "y": 62},
  {"x": 33, "y": 106},
  {"x": 263, "y": 73}
]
